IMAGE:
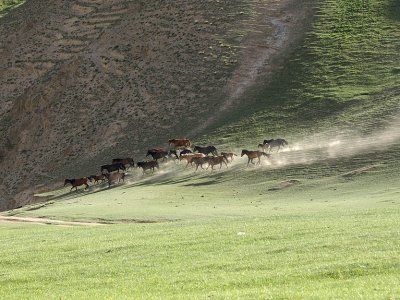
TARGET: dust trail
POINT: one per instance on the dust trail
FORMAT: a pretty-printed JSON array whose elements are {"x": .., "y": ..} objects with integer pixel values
[{"x": 335, "y": 144}]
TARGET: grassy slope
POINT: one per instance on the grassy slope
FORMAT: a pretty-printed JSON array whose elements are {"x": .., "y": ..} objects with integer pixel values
[
  {"x": 227, "y": 235},
  {"x": 6, "y": 5}
]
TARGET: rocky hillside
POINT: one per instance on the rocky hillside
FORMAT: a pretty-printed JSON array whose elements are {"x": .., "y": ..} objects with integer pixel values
[{"x": 84, "y": 81}]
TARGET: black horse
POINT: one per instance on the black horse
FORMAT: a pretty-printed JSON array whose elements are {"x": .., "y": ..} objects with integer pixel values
[
  {"x": 147, "y": 165},
  {"x": 157, "y": 154},
  {"x": 113, "y": 167},
  {"x": 126, "y": 161},
  {"x": 273, "y": 143},
  {"x": 206, "y": 150},
  {"x": 185, "y": 151}
]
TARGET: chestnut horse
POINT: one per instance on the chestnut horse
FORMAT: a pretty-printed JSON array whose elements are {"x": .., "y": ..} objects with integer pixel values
[
  {"x": 254, "y": 154},
  {"x": 189, "y": 157},
  {"x": 75, "y": 182},
  {"x": 179, "y": 143},
  {"x": 217, "y": 160}
]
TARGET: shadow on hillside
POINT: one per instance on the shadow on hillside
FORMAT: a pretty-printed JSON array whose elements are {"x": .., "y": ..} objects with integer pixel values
[{"x": 393, "y": 10}]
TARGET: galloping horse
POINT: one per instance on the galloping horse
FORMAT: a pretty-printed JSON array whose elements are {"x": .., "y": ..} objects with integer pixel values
[
  {"x": 113, "y": 177},
  {"x": 206, "y": 150},
  {"x": 199, "y": 161},
  {"x": 254, "y": 154},
  {"x": 217, "y": 160},
  {"x": 189, "y": 157},
  {"x": 229, "y": 155},
  {"x": 75, "y": 182},
  {"x": 273, "y": 144},
  {"x": 125, "y": 161},
  {"x": 113, "y": 167},
  {"x": 96, "y": 178},
  {"x": 157, "y": 154},
  {"x": 147, "y": 165},
  {"x": 179, "y": 143}
]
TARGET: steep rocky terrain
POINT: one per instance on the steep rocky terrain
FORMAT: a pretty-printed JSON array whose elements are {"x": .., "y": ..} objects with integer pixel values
[{"x": 84, "y": 81}]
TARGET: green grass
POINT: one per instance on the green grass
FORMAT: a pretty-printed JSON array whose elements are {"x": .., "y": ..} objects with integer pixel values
[
  {"x": 6, "y": 5},
  {"x": 344, "y": 74},
  {"x": 337, "y": 254}
]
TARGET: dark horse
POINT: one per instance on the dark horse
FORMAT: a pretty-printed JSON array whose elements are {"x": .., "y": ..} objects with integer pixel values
[
  {"x": 147, "y": 165},
  {"x": 77, "y": 182},
  {"x": 254, "y": 154},
  {"x": 126, "y": 161},
  {"x": 157, "y": 154},
  {"x": 206, "y": 150},
  {"x": 113, "y": 167},
  {"x": 273, "y": 143}
]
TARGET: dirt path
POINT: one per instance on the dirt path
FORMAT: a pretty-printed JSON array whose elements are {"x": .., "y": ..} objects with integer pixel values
[{"x": 43, "y": 221}]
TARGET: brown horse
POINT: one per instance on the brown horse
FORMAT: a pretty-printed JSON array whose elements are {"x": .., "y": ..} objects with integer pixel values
[
  {"x": 147, "y": 165},
  {"x": 97, "y": 178},
  {"x": 180, "y": 143},
  {"x": 217, "y": 160},
  {"x": 229, "y": 155},
  {"x": 75, "y": 182},
  {"x": 189, "y": 157},
  {"x": 254, "y": 154},
  {"x": 115, "y": 177},
  {"x": 200, "y": 161}
]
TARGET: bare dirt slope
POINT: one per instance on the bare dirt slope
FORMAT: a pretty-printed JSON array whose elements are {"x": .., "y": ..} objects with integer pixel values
[{"x": 84, "y": 81}]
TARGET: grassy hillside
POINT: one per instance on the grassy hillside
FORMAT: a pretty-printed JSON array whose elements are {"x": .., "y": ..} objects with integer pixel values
[
  {"x": 345, "y": 75},
  {"x": 6, "y": 5},
  {"x": 318, "y": 220}
]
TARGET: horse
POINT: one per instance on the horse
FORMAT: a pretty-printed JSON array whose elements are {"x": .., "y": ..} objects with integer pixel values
[
  {"x": 217, "y": 160},
  {"x": 113, "y": 177},
  {"x": 126, "y": 161},
  {"x": 75, "y": 182},
  {"x": 264, "y": 146},
  {"x": 189, "y": 157},
  {"x": 185, "y": 151},
  {"x": 113, "y": 167},
  {"x": 178, "y": 143},
  {"x": 97, "y": 178},
  {"x": 229, "y": 155},
  {"x": 199, "y": 161},
  {"x": 147, "y": 165},
  {"x": 254, "y": 154},
  {"x": 173, "y": 153},
  {"x": 206, "y": 150},
  {"x": 273, "y": 143},
  {"x": 157, "y": 154}
]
